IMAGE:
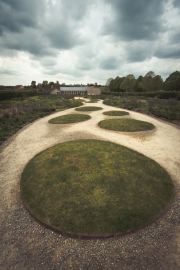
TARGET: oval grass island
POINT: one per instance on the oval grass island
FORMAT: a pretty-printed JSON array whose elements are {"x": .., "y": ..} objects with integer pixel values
[
  {"x": 92, "y": 187},
  {"x": 88, "y": 108},
  {"x": 69, "y": 118},
  {"x": 126, "y": 125},
  {"x": 116, "y": 113}
]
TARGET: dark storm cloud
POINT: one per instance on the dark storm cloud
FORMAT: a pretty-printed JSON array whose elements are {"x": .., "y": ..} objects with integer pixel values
[
  {"x": 109, "y": 63},
  {"x": 168, "y": 52},
  {"x": 139, "y": 51},
  {"x": 30, "y": 42},
  {"x": 176, "y": 4},
  {"x": 16, "y": 14},
  {"x": 39, "y": 27},
  {"x": 171, "y": 48},
  {"x": 135, "y": 20}
]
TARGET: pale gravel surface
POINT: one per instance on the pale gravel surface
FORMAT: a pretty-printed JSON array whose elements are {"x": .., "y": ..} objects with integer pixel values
[{"x": 27, "y": 245}]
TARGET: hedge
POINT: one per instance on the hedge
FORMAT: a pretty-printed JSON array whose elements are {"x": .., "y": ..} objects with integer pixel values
[
  {"x": 158, "y": 94},
  {"x": 5, "y": 94}
]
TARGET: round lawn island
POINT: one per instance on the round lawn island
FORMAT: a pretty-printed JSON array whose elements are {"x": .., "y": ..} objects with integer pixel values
[
  {"x": 69, "y": 118},
  {"x": 94, "y": 188},
  {"x": 126, "y": 125}
]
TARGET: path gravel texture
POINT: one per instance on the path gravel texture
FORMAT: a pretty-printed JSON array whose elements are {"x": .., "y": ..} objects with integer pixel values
[{"x": 24, "y": 244}]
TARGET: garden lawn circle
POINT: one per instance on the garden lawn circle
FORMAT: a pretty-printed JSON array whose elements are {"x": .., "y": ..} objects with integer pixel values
[
  {"x": 126, "y": 125},
  {"x": 88, "y": 108},
  {"x": 69, "y": 118},
  {"x": 94, "y": 187},
  {"x": 116, "y": 113}
]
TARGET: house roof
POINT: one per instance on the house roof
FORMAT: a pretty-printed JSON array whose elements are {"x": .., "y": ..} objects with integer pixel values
[{"x": 73, "y": 88}]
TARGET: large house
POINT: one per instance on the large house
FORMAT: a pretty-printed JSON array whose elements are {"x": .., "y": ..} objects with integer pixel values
[{"x": 85, "y": 90}]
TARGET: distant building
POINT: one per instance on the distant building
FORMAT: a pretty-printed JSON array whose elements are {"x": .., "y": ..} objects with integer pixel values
[
  {"x": 76, "y": 90},
  {"x": 18, "y": 87}
]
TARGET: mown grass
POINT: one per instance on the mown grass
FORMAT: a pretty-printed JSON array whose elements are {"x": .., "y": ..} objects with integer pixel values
[
  {"x": 95, "y": 187},
  {"x": 88, "y": 108},
  {"x": 16, "y": 113},
  {"x": 116, "y": 113},
  {"x": 69, "y": 118},
  {"x": 125, "y": 125}
]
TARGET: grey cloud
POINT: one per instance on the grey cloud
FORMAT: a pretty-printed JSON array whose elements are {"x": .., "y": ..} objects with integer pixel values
[
  {"x": 14, "y": 15},
  {"x": 8, "y": 72},
  {"x": 135, "y": 20},
  {"x": 168, "y": 52},
  {"x": 40, "y": 28},
  {"x": 62, "y": 37},
  {"x": 109, "y": 63},
  {"x": 176, "y": 3},
  {"x": 30, "y": 41},
  {"x": 139, "y": 51}
]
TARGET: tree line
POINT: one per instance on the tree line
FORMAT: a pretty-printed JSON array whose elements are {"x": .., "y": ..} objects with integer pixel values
[{"x": 150, "y": 82}]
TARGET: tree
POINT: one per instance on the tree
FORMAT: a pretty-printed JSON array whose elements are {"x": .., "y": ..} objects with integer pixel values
[
  {"x": 33, "y": 84},
  {"x": 51, "y": 83},
  {"x": 128, "y": 83},
  {"x": 146, "y": 83},
  {"x": 170, "y": 82},
  {"x": 177, "y": 84},
  {"x": 157, "y": 83},
  {"x": 137, "y": 87},
  {"x": 108, "y": 81},
  {"x": 111, "y": 85},
  {"x": 151, "y": 74}
]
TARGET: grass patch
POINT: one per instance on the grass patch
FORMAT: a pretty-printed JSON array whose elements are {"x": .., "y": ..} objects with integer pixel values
[
  {"x": 95, "y": 187},
  {"x": 125, "y": 125},
  {"x": 116, "y": 113},
  {"x": 69, "y": 118},
  {"x": 88, "y": 108}
]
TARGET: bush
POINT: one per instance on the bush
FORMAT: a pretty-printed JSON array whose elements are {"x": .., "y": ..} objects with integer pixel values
[
  {"x": 158, "y": 94},
  {"x": 4, "y": 95}
]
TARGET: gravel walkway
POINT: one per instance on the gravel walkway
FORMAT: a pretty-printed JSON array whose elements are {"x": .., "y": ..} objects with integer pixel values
[{"x": 27, "y": 245}]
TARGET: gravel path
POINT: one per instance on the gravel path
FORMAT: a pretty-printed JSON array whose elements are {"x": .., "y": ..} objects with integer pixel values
[{"x": 27, "y": 245}]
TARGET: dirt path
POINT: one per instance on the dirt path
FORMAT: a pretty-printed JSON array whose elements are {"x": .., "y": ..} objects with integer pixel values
[{"x": 27, "y": 245}]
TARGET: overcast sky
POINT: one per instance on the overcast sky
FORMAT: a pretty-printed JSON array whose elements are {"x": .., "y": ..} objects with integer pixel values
[{"x": 87, "y": 41}]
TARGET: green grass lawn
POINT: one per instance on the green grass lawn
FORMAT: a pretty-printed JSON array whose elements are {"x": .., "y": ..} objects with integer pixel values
[
  {"x": 88, "y": 108},
  {"x": 69, "y": 118},
  {"x": 95, "y": 187},
  {"x": 116, "y": 113},
  {"x": 127, "y": 125}
]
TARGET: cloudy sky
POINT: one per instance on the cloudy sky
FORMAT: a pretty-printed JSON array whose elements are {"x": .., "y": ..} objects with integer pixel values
[{"x": 87, "y": 41}]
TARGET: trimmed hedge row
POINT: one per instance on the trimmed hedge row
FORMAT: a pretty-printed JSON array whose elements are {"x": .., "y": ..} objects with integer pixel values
[
  {"x": 5, "y": 94},
  {"x": 159, "y": 94}
]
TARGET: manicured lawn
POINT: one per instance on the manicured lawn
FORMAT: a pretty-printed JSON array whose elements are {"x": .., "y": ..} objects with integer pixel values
[
  {"x": 88, "y": 108},
  {"x": 95, "y": 187},
  {"x": 69, "y": 118},
  {"x": 125, "y": 125},
  {"x": 116, "y": 113}
]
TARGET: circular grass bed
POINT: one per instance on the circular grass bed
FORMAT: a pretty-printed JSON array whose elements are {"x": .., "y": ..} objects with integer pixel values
[
  {"x": 125, "y": 125},
  {"x": 88, "y": 108},
  {"x": 116, "y": 113},
  {"x": 95, "y": 187},
  {"x": 69, "y": 118}
]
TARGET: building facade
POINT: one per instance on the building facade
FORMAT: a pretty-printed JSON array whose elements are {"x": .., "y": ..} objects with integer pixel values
[{"x": 62, "y": 90}]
